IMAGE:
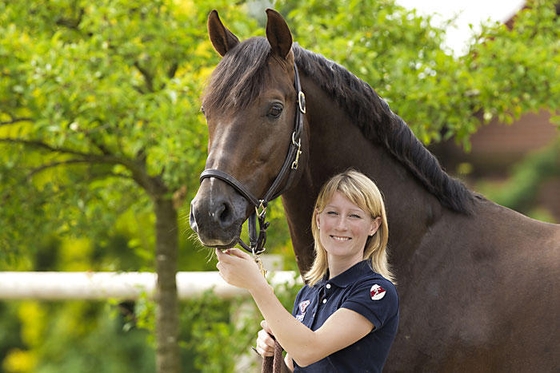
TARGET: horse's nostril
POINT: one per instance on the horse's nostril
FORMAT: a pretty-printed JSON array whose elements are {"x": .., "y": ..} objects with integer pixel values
[
  {"x": 223, "y": 214},
  {"x": 192, "y": 220}
]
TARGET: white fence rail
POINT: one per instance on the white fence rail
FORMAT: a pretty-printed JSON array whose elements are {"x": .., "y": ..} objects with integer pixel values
[{"x": 121, "y": 285}]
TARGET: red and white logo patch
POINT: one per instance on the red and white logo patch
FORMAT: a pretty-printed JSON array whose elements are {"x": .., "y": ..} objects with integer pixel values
[
  {"x": 303, "y": 305},
  {"x": 377, "y": 292}
]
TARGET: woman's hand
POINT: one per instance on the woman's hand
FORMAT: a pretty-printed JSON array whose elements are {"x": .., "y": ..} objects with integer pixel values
[
  {"x": 239, "y": 269},
  {"x": 265, "y": 341}
]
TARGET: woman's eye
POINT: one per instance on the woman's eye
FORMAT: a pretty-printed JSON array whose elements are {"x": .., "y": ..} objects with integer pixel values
[
  {"x": 333, "y": 213},
  {"x": 275, "y": 110}
]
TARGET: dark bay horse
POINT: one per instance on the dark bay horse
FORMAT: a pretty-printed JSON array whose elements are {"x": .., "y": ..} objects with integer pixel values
[{"x": 478, "y": 282}]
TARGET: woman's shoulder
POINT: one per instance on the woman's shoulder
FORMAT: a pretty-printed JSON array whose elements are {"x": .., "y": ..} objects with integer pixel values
[
  {"x": 376, "y": 277},
  {"x": 374, "y": 297},
  {"x": 368, "y": 274},
  {"x": 378, "y": 285}
]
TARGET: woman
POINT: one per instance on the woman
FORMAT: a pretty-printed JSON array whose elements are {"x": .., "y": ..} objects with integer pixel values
[{"x": 345, "y": 318}]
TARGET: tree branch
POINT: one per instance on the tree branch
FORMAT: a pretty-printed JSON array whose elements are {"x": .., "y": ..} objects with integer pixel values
[
  {"x": 47, "y": 166},
  {"x": 71, "y": 23},
  {"x": 154, "y": 186},
  {"x": 42, "y": 145},
  {"x": 15, "y": 120},
  {"x": 148, "y": 77},
  {"x": 172, "y": 70}
]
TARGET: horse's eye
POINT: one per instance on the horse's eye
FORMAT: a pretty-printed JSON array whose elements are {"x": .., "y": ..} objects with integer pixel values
[
  {"x": 202, "y": 110},
  {"x": 275, "y": 110}
]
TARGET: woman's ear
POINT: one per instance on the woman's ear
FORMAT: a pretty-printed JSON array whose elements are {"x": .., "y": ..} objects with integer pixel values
[{"x": 375, "y": 224}]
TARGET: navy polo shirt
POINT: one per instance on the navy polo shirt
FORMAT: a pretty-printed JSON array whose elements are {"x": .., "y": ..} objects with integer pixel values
[{"x": 364, "y": 291}]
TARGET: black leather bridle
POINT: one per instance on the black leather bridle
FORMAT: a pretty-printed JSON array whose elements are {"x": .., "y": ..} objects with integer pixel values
[{"x": 287, "y": 174}]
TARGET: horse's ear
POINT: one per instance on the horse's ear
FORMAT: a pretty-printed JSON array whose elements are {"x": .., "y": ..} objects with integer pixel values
[
  {"x": 222, "y": 39},
  {"x": 278, "y": 33}
]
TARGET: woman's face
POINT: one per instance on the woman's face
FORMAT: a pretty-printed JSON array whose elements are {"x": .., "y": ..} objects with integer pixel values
[{"x": 344, "y": 228}]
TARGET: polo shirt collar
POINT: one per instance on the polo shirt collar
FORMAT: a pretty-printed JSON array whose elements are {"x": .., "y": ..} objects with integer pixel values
[{"x": 349, "y": 276}]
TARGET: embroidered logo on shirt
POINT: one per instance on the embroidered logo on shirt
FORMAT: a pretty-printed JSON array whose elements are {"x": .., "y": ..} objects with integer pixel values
[
  {"x": 303, "y": 306},
  {"x": 376, "y": 292}
]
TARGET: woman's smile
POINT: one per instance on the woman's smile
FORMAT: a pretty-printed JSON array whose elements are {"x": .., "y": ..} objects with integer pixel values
[
  {"x": 344, "y": 229},
  {"x": 337, "y": 238}
]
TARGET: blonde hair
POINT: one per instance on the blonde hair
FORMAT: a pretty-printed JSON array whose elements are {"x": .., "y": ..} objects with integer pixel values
[{"x": 362, "y": 192}]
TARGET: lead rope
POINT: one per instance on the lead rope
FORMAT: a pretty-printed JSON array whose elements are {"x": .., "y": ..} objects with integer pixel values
[
  {"x": 273, "y": 364},
  {"x": 270, "y": 364}
]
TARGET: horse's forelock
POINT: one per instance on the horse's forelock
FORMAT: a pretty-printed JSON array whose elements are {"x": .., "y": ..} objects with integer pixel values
[{"x": 239, "y": 77}]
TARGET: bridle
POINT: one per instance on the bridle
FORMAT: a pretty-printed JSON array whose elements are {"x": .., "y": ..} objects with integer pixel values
[{"x": 286, "y": 175}]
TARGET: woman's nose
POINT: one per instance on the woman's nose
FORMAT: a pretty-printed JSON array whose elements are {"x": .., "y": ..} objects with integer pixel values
[{"x": 341, "y": 223}]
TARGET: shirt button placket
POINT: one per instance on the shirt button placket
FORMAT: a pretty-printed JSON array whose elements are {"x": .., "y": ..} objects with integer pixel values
[{"x": 328, "y": 287}]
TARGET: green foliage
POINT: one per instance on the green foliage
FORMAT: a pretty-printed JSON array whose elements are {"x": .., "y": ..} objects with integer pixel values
[
  {"x": 222, "y": 331},
  {"x": 10, "y": 333},
  {"x": 54, "y": 338},
  {"x": 79, "y": 352},
  {"x": 516, "y": 71},
  {"x": 520, "y": 191},
  {"x": 96, "y": 99},
  {"x": 216, "y": 339},
  {"x": 216, "y": 333},
  {"x": 74, "y": 336}
]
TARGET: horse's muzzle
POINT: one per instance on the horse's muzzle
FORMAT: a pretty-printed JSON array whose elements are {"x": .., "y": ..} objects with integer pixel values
[{"x": 217, "y": 219}]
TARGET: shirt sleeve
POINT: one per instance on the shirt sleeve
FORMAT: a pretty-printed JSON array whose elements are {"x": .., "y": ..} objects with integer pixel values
[{"x": 376, "y": 299}]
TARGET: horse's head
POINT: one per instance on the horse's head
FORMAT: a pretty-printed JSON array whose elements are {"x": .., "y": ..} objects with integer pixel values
[{"x": 254, "y": 112}]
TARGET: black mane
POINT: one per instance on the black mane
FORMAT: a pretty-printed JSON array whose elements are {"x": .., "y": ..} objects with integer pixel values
[
  {"x": 239, "y": 78},
  {"x": 379, "y": 124}
]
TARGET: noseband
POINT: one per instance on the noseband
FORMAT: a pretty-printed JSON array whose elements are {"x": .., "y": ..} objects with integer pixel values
[{"x": 287, "y": 174}]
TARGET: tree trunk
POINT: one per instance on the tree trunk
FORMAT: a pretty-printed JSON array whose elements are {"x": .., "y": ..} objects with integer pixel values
[{"x": 167, "y": 308}]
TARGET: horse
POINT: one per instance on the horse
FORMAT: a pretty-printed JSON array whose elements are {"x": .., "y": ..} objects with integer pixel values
[{"x": 477, "y": 281}]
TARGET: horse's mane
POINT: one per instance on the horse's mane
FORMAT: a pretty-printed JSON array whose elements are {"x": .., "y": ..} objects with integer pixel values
[
  {"x": 378, "y": 123},
  {"x": 239, "y": 78}
]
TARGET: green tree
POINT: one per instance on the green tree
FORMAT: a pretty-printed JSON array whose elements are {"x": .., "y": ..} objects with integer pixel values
[{"x": 99, "y": 112}]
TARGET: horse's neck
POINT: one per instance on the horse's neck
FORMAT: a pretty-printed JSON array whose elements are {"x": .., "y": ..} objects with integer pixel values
[{"x": 336, "y": 144}]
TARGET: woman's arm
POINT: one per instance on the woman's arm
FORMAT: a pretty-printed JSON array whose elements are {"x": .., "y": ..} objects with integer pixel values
[{"x": 341, "y": 329}]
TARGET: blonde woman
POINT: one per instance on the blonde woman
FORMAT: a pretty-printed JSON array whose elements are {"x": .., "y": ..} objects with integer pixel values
[{"x": 346, "y": 316}]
